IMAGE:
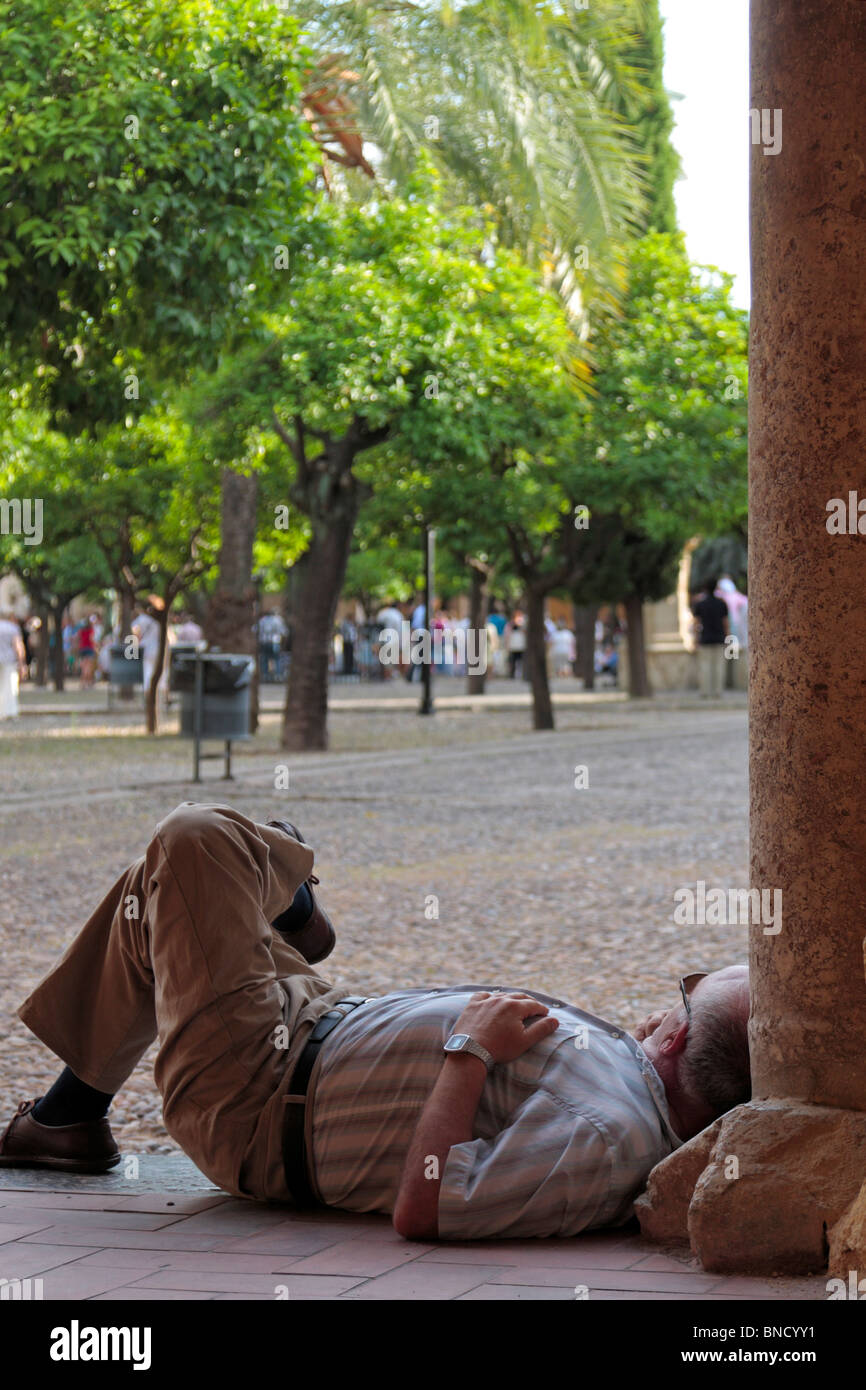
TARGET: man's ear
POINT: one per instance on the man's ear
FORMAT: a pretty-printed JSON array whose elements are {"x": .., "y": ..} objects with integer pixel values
[{"x": 675, "y": 1043}]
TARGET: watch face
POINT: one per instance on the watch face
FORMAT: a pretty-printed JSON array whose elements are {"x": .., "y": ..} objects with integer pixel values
[{"x": 456, "y": 1041}]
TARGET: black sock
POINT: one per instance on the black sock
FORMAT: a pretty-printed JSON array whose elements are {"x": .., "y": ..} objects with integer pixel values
[
  {"x": 70, "y": 1101},
  {"x": 297, "y": 915}
]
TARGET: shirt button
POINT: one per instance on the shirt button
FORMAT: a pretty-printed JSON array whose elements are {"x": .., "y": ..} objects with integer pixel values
[{"x": 616, "y": 1035}]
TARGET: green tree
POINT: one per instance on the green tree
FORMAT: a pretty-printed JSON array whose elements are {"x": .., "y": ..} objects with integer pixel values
[
  {"x": 148, "y": 161},
  {"x": 393, "y": 329},
  {"x": 471, "y": 544},
  {"x": 629, "y": 567},
  {"x": 152, "y": 505},
  {"x": 153, "y": 162},
  {"x": 52, "y": 553},
  {"x": 498, "y": 502},
  {"x": 662, "y": 453}
]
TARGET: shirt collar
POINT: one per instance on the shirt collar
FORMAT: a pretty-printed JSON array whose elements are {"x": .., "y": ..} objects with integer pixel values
[{"x": 656, "y": 1088}]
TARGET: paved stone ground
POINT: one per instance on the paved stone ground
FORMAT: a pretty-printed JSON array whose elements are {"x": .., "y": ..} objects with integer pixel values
[
  {"x": 185, "y": 1240},
  {"x": 539, "y": 885}
]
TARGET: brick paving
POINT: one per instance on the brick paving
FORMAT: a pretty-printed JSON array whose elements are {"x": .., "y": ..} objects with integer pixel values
[{"x": 165, "y": 1245}]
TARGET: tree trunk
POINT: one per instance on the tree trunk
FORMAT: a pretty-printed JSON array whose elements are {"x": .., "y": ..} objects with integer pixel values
[
  {"x": 292, "y": 589},
  {"x": 536, "y": 655},
  {"x": 127, "y": 692},
  {"x": 305, "y": 722},
  {"x": 327, "y": 490},
  {"x": 584, "y": 624},
  {"x": 152, "y": 693},
  {"x": 478, "y": 604},
  {"x": 58, "y": 658},
  {"x": 638, "y": 678},
  {"x": 232, "y": 610}
]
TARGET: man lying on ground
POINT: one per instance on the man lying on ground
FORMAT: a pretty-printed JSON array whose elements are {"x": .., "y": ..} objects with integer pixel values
[{"x": 464, "y": 1112}]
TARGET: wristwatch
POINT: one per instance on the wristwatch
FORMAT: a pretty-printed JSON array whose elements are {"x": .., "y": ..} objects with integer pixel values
[{"x": 461, "y": 1042}]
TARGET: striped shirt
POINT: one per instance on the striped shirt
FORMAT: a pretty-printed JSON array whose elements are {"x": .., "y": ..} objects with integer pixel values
[{"x": 564, "y": 1137}]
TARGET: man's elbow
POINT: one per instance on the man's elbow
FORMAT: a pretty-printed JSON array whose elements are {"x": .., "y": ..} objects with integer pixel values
[{"x": 414, "y": 1225}]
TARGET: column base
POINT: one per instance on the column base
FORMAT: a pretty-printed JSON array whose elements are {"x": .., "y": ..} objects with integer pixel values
[
  {"x": 848, "y": 1242},
  {"x": 663, "y": 1210},
  {"x": 760, "y": 1191}
]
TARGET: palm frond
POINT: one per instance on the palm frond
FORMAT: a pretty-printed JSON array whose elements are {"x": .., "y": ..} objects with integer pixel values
[{"x": 520, "y": 104}]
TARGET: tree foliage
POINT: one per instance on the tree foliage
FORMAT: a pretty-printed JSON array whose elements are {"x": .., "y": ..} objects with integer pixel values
[
  {"x": 522, "y": 105},
  {"x": 664, "y": 442},
  {"x": 152, "y": 156}
]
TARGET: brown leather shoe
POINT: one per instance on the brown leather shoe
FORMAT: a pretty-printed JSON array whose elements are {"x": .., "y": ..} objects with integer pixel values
[
  {"x": 87, "y": 1147},
  {"x": 316, "y": 939}
]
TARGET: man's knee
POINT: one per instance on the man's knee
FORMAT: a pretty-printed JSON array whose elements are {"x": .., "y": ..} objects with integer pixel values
[{"x": 190, "y": 823}]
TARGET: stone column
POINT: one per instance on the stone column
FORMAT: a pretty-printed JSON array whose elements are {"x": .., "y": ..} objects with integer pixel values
[{"x": 800, "y": 1146}]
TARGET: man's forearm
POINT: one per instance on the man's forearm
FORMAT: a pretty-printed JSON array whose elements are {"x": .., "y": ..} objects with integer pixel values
[{"x": 447, "y": 1119}]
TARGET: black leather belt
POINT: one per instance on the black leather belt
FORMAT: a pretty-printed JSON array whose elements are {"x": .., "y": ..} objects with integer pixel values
[{"x": 294, "y": 1146}]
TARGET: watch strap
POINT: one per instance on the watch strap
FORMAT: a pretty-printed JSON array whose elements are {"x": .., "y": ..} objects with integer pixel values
[{"x": 476, "y": 1049}]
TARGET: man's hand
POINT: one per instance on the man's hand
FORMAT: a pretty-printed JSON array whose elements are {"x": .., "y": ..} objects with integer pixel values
[
  {"x": 649, "y": 1025},
  {"x": 497, "y": 1022}
]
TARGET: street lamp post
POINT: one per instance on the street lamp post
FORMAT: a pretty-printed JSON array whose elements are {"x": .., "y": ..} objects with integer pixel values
[{"x": 426, "y": 706}]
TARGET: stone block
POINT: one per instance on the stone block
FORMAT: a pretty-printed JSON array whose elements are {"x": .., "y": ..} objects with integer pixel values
[
  {"x": 663, "y": 1209},
  {"x": 799, "y": 1168},
  {"x": 848, "y": 1240}
]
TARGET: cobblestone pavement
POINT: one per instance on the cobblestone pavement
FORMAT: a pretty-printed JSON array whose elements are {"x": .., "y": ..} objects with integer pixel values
[{"x": 538, "y": 884}]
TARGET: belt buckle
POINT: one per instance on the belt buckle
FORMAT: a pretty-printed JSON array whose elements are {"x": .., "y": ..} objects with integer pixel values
[{"x": 346, "y": 1006}]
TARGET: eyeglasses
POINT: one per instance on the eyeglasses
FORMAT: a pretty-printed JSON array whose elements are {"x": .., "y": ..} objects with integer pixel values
[{"x": 687, "y": 985}]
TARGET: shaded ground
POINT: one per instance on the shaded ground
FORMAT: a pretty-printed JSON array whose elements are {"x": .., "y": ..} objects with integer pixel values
[{"x": 538, "y": 884}]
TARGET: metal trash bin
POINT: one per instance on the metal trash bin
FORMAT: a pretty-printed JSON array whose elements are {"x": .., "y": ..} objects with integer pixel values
[
  {"x": 123, "y": 669},
  {"x": 176, "y": 653},
  {"x": 215, "y": 690}
]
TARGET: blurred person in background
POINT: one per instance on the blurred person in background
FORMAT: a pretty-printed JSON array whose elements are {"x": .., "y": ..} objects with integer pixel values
[
  {"x": 738, "y": 608},
  {"x": 496, "y": 625},
  {"x": 390, "y": 619},
  {"x": 349, "y": 638},
  {"x": 270, "y": 630},
  {"x": 147, "y": 629},
  {"x": 13, "y": 660},
  {"x": 418, "y": 624},
  {"x": 35, "y": 636},
  {"x": 563, "y": 650},
  {"x": 24, "y": 629},
  {"x": 444, "y": 625},
  {"x": 515, "y": 642},
  {"x": 88, "y": 646},
  {"x": 711, "y": 613},
  {"x": 607, "y": 661},
  {"x": 103, "y": 660},
  {"x": 70, "y": 632},
  {"x": 188, "y": 630}
]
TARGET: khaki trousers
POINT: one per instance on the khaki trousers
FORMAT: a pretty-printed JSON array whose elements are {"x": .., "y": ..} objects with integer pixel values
[
  {"x": 181, "y": 949},
  {"x": 711, "y": 669}
]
